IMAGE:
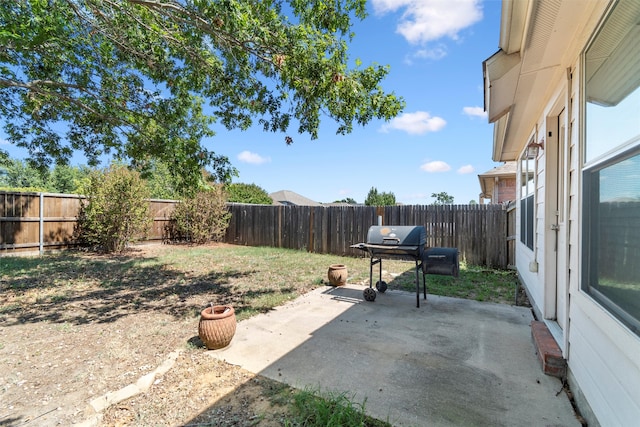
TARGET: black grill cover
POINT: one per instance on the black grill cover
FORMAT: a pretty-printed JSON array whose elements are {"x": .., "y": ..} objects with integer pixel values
[
  {"x": 397, "y": 235},
  {"x": 442, "y": 261}
]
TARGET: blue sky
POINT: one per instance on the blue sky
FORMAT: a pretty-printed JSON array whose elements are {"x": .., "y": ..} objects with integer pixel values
[{"x": 441, "y": 141}]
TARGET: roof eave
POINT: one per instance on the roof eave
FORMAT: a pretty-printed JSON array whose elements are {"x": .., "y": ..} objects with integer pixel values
[{"x": 514, "y": 21}]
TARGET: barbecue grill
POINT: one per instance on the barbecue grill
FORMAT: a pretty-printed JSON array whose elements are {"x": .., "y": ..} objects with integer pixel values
[
  {"x": 394, "y": 241},
  {"x": 443, "y": 261}
]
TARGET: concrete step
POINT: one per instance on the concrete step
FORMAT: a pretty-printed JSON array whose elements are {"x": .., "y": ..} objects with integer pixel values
[{"x": 549, "y": 352}]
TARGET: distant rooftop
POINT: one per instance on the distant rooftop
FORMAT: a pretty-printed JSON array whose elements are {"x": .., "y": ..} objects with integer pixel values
[
  {"x": 509, "y": 168},
  {"x": 286, "y": 197}
]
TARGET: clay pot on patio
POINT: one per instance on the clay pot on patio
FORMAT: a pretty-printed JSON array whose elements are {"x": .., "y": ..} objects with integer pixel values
[
  {"x": 217, "y": 326},
  {"x": 337, "y": 274}
]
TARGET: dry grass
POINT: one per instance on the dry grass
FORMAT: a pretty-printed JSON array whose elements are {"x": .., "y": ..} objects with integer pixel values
[{"x": 78, "y": 325}]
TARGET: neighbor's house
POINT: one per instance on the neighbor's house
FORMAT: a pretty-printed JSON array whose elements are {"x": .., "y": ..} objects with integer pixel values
[
  {"x": 563, "y": 94},
  {"x": 290, "y": 198},
  {"x": 499, "y": 184}
]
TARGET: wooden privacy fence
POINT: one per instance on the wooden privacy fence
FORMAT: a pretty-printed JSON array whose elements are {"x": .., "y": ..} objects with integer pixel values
[
  {"x": 39, "y": 221},
  {"x": 35, "y": 221},
  {"x": 478, "y": 231}
]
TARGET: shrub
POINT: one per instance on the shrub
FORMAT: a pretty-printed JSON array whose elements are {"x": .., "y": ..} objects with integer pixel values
[
  {"x": 248, "y": 193},
  {"x": 202, "y": 217},
  {"x": 116, "y": 210}
]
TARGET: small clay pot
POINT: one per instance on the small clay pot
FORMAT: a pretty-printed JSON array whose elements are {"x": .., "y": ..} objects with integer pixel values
[
  {"x": 337, "y": 274},
  {"x": 217, "y": 326}
]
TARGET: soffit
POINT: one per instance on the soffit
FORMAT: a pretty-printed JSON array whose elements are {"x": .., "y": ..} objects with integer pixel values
[
  {"x": 550, "y": 28},
  {"x": 501, "y": 72},
  {"x": 513, "y": 23}
]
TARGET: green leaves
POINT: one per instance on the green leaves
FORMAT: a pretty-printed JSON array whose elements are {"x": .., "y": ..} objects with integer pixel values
[
  {"x": 144, "y": 79},
  {"x": 202, "y": 217},
  {"x": 116, "y": 212},
  {"x": 442, "y": 198},
  {"x": 247, "y": 193},
  {"x": 380, "y": 199}
]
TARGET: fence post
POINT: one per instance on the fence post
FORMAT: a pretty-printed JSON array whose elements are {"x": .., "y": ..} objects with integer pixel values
[
  {"x": 280, "y": 226},
  {"x": 311, "y": 230},
  {"x": 41, "y": 234}
]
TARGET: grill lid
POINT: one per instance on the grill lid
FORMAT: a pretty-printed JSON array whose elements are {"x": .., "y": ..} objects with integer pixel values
[{"x": 397, "y": 235}]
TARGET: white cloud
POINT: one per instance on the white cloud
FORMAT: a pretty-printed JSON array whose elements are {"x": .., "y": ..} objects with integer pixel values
[
  {"x": 417, "y": 123},
  {"x": 435, "y": 166},
  {"x": 423, "y": 21},
  {"x": 434, "y": 53},
  {"x": 4, "y": 142},
  {"x": 475, "y": 112},
  {"x": 253, "y": 158},
  {"x": 466, "y": 169}
]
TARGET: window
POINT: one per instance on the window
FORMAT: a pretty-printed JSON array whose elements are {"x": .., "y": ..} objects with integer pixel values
[
  {"x": 527, "y": 201},
  {"x": 611, "y": 172}
]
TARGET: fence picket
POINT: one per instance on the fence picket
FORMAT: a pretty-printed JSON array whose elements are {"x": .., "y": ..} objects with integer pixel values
[{"x": 484, "y": 234}]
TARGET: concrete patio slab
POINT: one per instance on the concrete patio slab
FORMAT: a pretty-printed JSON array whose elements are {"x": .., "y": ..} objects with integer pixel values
[{"x": 451, "y": 362}]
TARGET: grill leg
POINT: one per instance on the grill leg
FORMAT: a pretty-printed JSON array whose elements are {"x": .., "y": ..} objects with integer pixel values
[
  {"x": 417, "y": 286},
  {"x": 424, "y": 285},
  {"x": 371, "y": 272},
  {"x": 371, "y": 264}
]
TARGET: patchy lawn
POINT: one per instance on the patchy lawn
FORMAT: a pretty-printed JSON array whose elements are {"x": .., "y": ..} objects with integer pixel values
[{"x": 75, "y": 326}]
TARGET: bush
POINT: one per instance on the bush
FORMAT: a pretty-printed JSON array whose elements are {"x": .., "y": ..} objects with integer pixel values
[
  {"x": 202, "y": 217},
  {"x": 248, "y": 193},
  {"x": 116, "y": 210}
]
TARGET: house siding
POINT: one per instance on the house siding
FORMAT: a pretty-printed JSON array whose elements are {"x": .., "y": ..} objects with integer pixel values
[
  {"x": 602, "y": 354},
  {"x": 598, "y": 342},
  {"x": 608, "y": 373}
]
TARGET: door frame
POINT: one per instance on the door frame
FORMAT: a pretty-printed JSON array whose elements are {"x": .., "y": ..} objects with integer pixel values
[{"x": 556, "y": 245}]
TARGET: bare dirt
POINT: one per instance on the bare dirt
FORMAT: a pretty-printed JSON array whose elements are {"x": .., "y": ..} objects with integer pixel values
[
  {"x": 71, "y": 332},
  {"x": 54, "y": 362}
]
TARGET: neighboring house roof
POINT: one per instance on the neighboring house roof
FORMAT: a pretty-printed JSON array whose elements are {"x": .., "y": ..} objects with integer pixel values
[
  {"x": 338, "y": 204},
  {"x": 286, "y": 197},
  {"x": 489, "y": 178},
  {"x": 508, "y": 168}
]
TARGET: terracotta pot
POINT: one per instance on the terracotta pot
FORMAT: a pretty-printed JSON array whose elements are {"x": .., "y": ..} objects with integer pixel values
[
  {"x": 217, "y": 326},
  {"x": 337, "y": 274}
]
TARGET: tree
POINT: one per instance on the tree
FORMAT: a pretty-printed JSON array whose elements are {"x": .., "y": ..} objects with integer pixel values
[
  {"x": 18, "y": 175},
  {"x": 379, "y": 199},
  {"x": 348, "y": 200},
  {"x": 248, "y": 193},
  {"x": 67, "y": 179},
  {"x": 144, "y": 80},
  {"x": 160, "y": 181},
  {"x": 442, "y": 198}
]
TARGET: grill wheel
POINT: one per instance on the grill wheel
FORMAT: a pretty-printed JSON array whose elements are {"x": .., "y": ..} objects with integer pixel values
[
  {"x": 381, "y": 286},
  {"x": 369, "y": 294}
]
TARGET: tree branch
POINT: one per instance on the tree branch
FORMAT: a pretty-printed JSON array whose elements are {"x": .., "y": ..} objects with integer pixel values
[{"x": 38, "y": 86}]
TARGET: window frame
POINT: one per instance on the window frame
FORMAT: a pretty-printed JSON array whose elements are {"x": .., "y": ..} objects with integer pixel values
[
  {"x": 527, "y": 196},
  {"x": 592, "y": 220},
  {"x": 591, "y": 233}
]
